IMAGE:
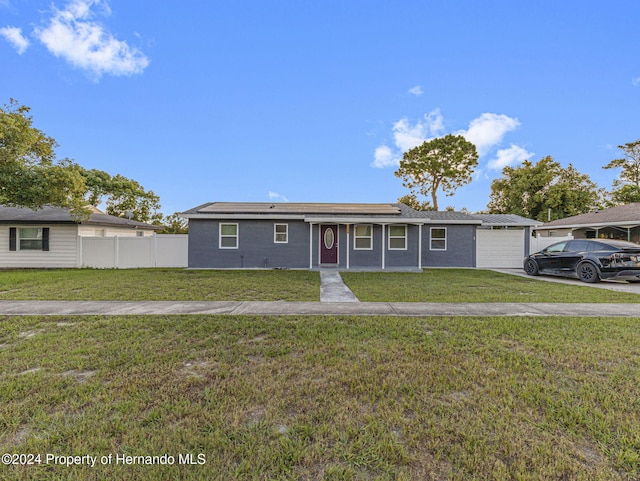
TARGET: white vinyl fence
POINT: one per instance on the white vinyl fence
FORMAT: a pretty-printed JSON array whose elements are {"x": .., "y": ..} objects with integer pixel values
[
  {"x": 539, "y": 243},
  {"x": 166, "y": 250}
]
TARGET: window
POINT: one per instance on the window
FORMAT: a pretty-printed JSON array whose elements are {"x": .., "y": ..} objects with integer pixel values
[
  {"x": 29, "y": 238},
  {"x": 438, "y": 239},
  {"x": 281, "y": 233},
  {"x": 559, "y": 247},
  {"x": 397, "y": 237},
  {"x": 363, "y": 237},
  {"x": 139, "y": 233},
  {"x": 228, "y": 236}
]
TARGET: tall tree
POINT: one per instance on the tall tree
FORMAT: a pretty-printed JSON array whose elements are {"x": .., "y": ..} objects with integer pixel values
[
  {"x": 412, "y": 201},
  {"x": 626, "y": 188},
  {"x": 30, "y": 175},
  {"x": 444, "y": 163},
  {"x": 174, "y": 224},
  {"x": 543, "y": 191},
  {"x": 122, "y": 196}
]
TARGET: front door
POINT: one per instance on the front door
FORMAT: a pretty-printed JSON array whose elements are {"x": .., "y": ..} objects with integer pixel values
[{"x": 329, "y": 244}]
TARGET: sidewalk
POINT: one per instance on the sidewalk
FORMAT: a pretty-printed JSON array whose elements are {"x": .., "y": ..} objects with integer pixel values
[{"x": 281, "y": 308}]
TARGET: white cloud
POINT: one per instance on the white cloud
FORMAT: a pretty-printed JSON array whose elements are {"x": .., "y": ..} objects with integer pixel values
[
  {"x": 384, "y": 157},
  {"x": 488, "y": 130},
  {"x": 417, "y": 91},
  {"x": 508, "y": 157},
  {"x": 73, "y": 35},
  {"x": 636, "y": 82},
  {"x": 277, "y": 197},
  {"x": 407, "y": 136},
  {"x": 15, "y": 38}
]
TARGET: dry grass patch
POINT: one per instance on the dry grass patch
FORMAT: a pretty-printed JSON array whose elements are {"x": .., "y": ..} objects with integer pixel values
[{"x": 325, "y": 398}]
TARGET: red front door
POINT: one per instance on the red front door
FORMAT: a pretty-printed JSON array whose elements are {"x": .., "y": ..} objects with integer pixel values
[{"x": 329, "y": 244}]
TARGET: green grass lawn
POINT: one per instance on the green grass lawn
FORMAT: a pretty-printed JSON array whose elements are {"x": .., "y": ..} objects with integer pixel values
[
  {"x": 470, "y": 285},
  {"x": 323, "y": 398},
  {"x": 432, "y": 285},
  {"x": 159, "y": 284}
]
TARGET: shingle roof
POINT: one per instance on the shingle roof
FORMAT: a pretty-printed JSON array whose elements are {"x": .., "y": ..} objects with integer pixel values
[
  {"x": 57, "y": 215},
  {"x": 341, "y": 210},
  {"x": 506, "y": 220},
  {"x": 294, "y": 208},
  {"x": 628, "y": 214}
]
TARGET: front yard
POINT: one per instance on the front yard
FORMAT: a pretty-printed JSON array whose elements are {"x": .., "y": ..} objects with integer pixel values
[
  {"x": 320, "y": 398},
  {"x": 432, "y": 285},
  {"x": 471, "y": 285}
]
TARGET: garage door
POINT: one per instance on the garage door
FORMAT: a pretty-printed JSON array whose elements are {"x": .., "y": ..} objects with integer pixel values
[{"x": 499, "y": 248}]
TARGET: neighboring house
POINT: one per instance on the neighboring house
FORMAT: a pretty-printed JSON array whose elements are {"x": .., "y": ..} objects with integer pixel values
[
  {"x": 345, "y": 236},
  {"x": 49, "y": 237},
  {"x": 621, "y": 222}
]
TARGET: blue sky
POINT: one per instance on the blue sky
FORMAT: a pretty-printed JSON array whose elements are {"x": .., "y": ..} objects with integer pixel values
[{"x": 315, "y": 101}]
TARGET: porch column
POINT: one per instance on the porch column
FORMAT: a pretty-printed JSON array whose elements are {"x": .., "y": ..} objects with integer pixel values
[
  {"x": 420, "y": 246},
  {"x": 347, "y": 227},
  {"x": 383, "y": 246},
  {"x": 310, "y": 245}
]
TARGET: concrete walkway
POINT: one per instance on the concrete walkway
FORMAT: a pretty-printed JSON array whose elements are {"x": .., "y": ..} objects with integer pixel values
[
  {"x": 332, "y": 289},
  {"x": 281, "y": 308}
]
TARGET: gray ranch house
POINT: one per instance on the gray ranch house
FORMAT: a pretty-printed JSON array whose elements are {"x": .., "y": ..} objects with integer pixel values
[{"x": 244, "y": 235}]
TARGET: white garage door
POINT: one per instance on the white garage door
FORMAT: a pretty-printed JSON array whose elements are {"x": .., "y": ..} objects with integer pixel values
[{"x": 499, "y": 248}]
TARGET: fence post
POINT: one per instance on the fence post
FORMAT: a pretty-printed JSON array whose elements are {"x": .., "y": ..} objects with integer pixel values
[{"x": 116, "y": 247}]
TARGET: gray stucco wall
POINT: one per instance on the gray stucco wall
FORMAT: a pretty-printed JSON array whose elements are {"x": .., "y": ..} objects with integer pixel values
[
  {"x": 257, "y": 249},
  {"x": 461, "y": 247},
  {"x": 256, "y": 246}
]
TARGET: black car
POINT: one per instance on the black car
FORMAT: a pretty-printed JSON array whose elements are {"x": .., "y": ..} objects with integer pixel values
[{"x": 588, "y": 260}]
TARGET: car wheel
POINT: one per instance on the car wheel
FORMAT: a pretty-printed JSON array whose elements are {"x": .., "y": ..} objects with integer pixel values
[
  {"x": 531, "y": 267},
  {"x": 587, "y": 272}
]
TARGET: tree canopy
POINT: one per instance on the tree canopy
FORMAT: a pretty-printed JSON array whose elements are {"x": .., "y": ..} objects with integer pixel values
[
  {"x": 626, "y": 188},
  {"x": 444, "y": 163},
  {"x": 122, "y": 196},
  {"x": 543, "y": 191},
  {"x": 30, "y": 175}
]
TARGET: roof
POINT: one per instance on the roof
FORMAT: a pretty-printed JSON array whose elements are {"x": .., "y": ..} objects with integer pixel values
[
  {"x": 506, "y": 220},
  {"x": 628, "y": 214},
  {"x": 325, "y": 212},
  {"x": 295, "y": 208},
  {"x": 58, "y": 215}
]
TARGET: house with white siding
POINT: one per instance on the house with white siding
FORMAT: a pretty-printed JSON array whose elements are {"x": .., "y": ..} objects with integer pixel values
[{"x": 51, "y": 238}]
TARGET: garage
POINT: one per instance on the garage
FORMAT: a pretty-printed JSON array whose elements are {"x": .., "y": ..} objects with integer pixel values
[
  {"x": 499, "y": 248},
  {"x": 503, "y": 240}
]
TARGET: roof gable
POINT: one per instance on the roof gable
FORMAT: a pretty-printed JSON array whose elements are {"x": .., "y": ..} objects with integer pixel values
[
  {"x": 628, "y": 213},
  {"x": 58, "y": 215}
]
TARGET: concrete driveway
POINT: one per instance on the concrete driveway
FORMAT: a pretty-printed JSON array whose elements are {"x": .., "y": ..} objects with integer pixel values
[{"x": 620, "y": 286}]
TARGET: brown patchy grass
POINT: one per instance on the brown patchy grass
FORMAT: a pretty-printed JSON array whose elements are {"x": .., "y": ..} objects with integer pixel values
[{"x": 324, "y": 398}]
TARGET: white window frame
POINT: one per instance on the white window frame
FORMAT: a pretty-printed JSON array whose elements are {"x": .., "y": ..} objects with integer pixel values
[
  {"x": 394, "y": 237},
  {"x": 356, "y": 237},
  {"x": 285, "y": 233},
  {"x": 20, "y": 238},
  {"x": 227, "y": 236},
  {"x": 431, "y": 239}
]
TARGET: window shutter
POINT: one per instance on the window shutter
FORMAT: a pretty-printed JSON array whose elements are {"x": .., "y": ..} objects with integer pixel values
[
  {"x": 45, "y": 238},
  {"x": 12, "y": 238}
]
